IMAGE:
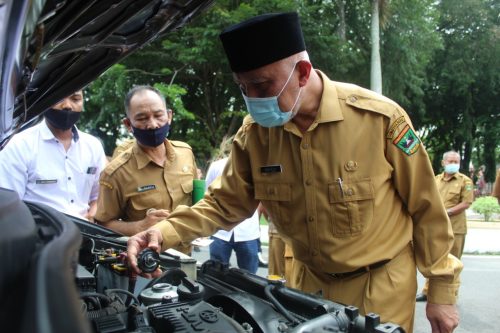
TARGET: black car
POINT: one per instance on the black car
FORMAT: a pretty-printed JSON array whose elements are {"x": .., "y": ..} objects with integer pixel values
[{"x": 63, "y": 274}]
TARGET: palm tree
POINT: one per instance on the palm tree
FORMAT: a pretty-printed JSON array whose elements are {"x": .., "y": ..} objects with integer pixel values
[{"x": 379, "y": 14}]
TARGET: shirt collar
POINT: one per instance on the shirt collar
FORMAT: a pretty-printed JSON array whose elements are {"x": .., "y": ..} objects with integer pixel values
[
  {"x": 455, "y": 175},
  {"x": 329, "y": 107},
  {"x": 143, "y": 159},
  {"x": 47, "y": 134}
]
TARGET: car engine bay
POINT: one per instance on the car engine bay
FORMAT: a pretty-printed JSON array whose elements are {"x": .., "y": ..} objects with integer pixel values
[{"x": 63, "y": 274}]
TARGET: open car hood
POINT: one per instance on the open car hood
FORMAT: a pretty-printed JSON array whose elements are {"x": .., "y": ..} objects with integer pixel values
[{"x": 51, "y": 48}]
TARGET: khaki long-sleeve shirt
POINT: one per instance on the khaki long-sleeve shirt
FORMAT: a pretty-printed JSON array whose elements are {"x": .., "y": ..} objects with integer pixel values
[
  {"x": 131, "y": 183},
  {"x": 353, "y": 190}
]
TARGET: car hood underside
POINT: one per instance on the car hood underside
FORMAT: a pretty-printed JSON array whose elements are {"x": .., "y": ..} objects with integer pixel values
[{"x": 52, "y": 48}]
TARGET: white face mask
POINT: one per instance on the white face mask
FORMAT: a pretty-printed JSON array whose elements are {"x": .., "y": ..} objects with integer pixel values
[
  {"x": 451, "y": 168},
  {"x": 266, "y": 111}
]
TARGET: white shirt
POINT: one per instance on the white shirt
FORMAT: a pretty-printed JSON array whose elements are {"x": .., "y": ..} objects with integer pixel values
[
  {"x": 246, "y": 230},
  {"x": 36, "y": 166}
]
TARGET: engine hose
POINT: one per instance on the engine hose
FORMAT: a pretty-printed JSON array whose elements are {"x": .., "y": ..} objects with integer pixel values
[
  {"x": 277, "y": 304},
  {"x": 113, "y": 308},
  {"x": 123, "y": 291}
]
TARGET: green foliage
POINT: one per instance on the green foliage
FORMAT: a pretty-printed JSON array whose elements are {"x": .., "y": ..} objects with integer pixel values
[
  {"x": 440, "y": 62},
  {"x": 462, "y": 97},
  {"x": 486, "y": 206},
  {"x": 410, "y": 36},
  {"x": 104, "y": 109}
]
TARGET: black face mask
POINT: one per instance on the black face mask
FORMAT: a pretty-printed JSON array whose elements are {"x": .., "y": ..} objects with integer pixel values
[
  {"x": 62, "y": 119},
  {"x": 151, "y": 137}
]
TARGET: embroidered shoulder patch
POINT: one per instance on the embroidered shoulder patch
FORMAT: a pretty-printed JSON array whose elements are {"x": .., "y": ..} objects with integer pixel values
[
  {"x": 394, "y": 126},
  {"x": 407, "y": 141},
  {"x": 106, "y": 184}
]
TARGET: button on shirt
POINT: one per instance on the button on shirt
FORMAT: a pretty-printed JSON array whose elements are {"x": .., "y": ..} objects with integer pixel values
[
  {"x": 246, "y": 230},
  {"x": 36, "y": 166}
]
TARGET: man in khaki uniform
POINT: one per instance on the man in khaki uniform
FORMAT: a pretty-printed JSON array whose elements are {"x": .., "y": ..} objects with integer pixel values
[
  {"x": 280, "y": 254},
  {"x": 126, "y": 144},
  {"x": 457, "y": 193},
  {"x": 146, "y": 181},
  {"x": 341, "y": 172}
]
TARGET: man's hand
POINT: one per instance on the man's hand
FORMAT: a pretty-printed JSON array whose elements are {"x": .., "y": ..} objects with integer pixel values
[
  {"x": 444, "y": 318},
  {"x": 152, "y": 239},
  {"x": 154, "y": 216},
  {"x": 89, "y": 215}
]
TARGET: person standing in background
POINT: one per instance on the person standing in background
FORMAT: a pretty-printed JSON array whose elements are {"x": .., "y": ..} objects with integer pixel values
[
  {"x": 280, "y": 254},
  {"x": 54, "y": 163},
  {"x": 457, "y": 193},
  {"x": 244, "y": 238},
  {"x": 150, "y": 178}
]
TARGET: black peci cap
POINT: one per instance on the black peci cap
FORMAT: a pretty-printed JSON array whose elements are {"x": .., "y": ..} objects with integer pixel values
[{"x": 262, "y": 40}]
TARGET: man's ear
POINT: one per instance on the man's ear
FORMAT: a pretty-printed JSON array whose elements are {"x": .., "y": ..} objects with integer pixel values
[
  {"x": 127, "y": 124},
  {"x": 305, "y": 68},
  {"x": 170, "y": 115}
]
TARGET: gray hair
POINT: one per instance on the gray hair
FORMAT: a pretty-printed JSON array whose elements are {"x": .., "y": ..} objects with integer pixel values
[
  {"x": 451, "y": 152},
  {"x": 138, "y": 89}
]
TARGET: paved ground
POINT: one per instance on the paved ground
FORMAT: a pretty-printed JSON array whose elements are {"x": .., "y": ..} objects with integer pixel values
[
  {"x": 478, "y": 301},
  {"x": 478, "y": 297},
  {"x": 480, "y": 289}
]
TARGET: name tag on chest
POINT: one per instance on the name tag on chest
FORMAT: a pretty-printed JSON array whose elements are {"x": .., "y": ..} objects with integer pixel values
[
  {"x": 91, "y": 170},
  {"x": 146, "y": 188},
  {"x": 267, "y": 169},
  {"x": 46, "y": 181}
]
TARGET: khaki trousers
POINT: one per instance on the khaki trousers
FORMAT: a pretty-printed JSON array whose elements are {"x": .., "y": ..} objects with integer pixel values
[
  {"x": 388, "y": 291},
  {"x": 280, "y": 258},
  {"x": 276, "y": 255}
]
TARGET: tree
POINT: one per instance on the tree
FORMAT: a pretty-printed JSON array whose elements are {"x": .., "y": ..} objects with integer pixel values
[
  {"x": 375, "y": 64},
  {"x": 190, "y": 67},
  {"x": 463, "y": 94}
]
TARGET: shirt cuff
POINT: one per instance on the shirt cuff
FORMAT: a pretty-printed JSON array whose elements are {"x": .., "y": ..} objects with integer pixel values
[
  {"x": 170, "y": 236},
  {"x": 442, "y": 293}
]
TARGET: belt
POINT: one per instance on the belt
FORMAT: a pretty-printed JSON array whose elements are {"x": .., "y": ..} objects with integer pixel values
[{"x": 359, "y": 271}]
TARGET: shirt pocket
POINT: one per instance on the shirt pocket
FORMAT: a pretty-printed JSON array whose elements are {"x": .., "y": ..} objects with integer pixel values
[
  {"x": 187, "y": 185},
  {"x": 141, "y": 202},
  {"x": 351, "y": 207},
  {"x": 452, "y": 197},
  {"x": 85, "y": 183},
  {"x": 275, "y": 197},
  {"x": 185, "y": 197}
]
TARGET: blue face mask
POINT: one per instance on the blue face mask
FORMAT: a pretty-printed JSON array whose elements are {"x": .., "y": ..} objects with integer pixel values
[
  {"x": 266, "y": 111},
  {"x": 451, "y": 168}
]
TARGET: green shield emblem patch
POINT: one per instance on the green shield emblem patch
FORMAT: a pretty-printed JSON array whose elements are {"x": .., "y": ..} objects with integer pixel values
[{"x": 407, "y": 141}]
